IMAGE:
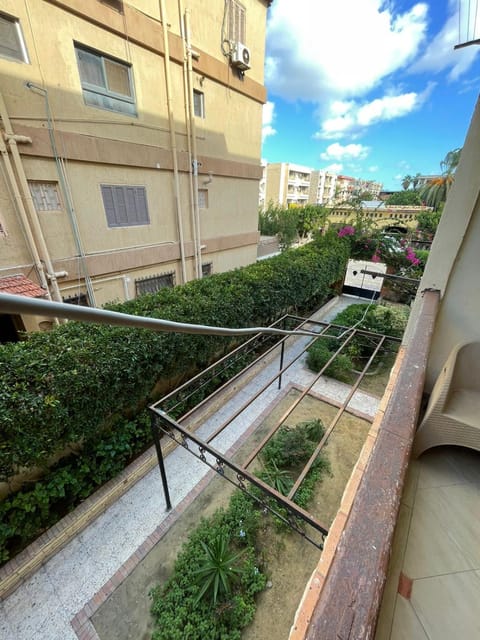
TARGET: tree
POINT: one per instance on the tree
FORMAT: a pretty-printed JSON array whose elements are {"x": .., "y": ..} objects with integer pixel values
[
  {"x": 415, "y": 180},
  {"x": 427, "y": 221},
  {"x": 436, "y": 191},
  {"x": 407, "y": 198},
  {"x": 406, "y": 181},
  {"x": 366, "y": 196}
]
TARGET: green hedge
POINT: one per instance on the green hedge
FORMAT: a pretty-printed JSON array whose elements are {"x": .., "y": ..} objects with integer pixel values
[{"x": 70, "y": 384}]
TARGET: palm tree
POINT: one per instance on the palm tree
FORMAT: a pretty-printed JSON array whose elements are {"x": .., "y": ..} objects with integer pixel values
[
  {"x": 435, "y": 192},
  {"x": 415, "y": 180},
  {"x": 406, "y": 181}
]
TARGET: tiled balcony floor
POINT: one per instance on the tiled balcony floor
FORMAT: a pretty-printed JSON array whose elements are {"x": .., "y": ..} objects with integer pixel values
[{"x": 437, "y": 547}]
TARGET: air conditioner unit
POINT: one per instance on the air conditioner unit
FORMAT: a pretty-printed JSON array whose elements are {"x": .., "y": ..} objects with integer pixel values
[{"x": 241, "y": 56}]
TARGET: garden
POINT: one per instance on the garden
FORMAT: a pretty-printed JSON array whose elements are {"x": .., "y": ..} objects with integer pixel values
[
  {"x": 57, "y": 449},
  {"x": 64, "y": 448}
]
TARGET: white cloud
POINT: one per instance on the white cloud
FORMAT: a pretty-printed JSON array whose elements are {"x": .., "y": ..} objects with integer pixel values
[
  {"x": 336, "y": 151},
  {"x": 335, "y": 167},
  {"x": 344, "y": 48},
  {"x": 440, "y": 54},
  {"x": 359, "y": 116},
  {"x": 374, "y": 168},
  {"x": 268, "y": 116}
]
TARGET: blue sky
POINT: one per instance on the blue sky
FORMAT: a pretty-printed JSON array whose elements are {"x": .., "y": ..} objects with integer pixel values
[{"x": 369, "y": 88}]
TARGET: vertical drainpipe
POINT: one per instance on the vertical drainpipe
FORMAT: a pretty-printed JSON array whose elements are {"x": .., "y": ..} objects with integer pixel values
[
  {"x": 27, "y": 197},
  {"x": 188, "y": 124},
  {"x": 196, "y": 207},
  {"x": 24, "y": 218},
  {"x": 67, "y": 196},
  {"x": 173, "y": 142}
]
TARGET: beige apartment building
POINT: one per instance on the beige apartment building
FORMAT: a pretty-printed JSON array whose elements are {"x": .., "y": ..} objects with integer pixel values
[
  {"x": 286, "y": 184},
  {"x": 131, "y": 137},
  {"x": 322, "y": 187}
]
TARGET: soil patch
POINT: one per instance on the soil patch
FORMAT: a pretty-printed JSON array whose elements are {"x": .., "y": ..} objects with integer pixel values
[{"x": 288, "y": 559}]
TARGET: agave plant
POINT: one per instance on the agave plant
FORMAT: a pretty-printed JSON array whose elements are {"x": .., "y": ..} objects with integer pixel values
[
  {"x": 219, "y": 570},
  {"x": 279, "y": 479}
]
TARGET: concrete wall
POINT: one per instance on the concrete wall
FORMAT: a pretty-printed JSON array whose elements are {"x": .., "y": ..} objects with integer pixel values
[
  {"x": 99, "y": 146},
  {"x": 454, "y": 258}
]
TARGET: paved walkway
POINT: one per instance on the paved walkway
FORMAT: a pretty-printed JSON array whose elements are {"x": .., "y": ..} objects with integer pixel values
[{"x": 43, "y": 606}]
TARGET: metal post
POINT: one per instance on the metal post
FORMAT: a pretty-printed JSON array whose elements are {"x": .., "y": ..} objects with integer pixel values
[
  {"x": 161, "y": 466},
  {"x": 282, "y": 353}
]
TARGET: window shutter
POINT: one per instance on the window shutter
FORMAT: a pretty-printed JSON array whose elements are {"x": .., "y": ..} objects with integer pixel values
[
  {"x": 120, "y": 206},
  {"x": 125, "y": 206},
  {"x": 109, "y": 205},
  {"x": 9, "y": 43},
  {"x": 142, "y": 209}
]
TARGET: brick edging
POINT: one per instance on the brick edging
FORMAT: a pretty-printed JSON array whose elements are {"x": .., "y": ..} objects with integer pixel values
[{"x": 81, "y": 622}]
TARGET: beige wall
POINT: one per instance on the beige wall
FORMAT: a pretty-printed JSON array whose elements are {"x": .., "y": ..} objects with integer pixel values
[
  {"x": 454, "y": 258},
  {"x": 105, "y": 147}
]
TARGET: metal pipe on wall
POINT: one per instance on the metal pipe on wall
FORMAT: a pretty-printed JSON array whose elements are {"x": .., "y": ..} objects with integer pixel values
[
  {"x": 188, "y": 125},
  {"x": 196, "y": 207},
  {"x": 173, "y": 142},
  {"x": 24, "y": 219},
  {"x": 67, "y": 196},
  {"x": 24, "y": 189}
]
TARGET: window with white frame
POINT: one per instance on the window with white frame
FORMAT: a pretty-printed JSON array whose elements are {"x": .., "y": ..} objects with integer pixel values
[
  {"x": 198, "y": 103},
  {"x": 125, "y": 206},
  {"x": 106, "y": 83},
  {"x": 12, "y": 44},
  {"x": 45, "y": 195},
  {"x": 203, "y": 198},
  {"x": 152, "y": 284},
  {"x": 237, "y": 19}
]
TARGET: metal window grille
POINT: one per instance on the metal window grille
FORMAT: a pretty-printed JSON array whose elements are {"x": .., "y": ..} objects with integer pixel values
[
  {"x": 106, "y": 82},
  {"x": 152, "y": 284},
  {"x": 207, "y": 269},
  {"x": 198, "y": 104},
  {"x": 203, "y": 198},
  {"x": 45, "y": 196},
  {"x": 125, "y": 206},
  {"x": 237, "y": 19}
]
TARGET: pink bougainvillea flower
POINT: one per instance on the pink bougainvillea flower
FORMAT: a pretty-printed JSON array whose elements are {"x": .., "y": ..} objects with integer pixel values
[
  {"x": 375, "y": 257},
  {"x": 346, "y": 231}
]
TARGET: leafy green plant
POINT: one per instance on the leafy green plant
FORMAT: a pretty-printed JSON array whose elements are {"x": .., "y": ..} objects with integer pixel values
[
  {"x": 279, "y": 479},
  {"x": 320, "y": 353},
  {"x": 178, "y": 610},
  {"x": 384, "y": 319},
  {"x": 219, "y": 570}
]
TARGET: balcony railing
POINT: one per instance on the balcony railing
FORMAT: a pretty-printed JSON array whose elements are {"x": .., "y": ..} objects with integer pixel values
[{"x": 351, "y": 574}]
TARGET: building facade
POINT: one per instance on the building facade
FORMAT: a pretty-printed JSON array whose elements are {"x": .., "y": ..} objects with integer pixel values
[
  {"x": 286, "y": 184},
  {"x": 323, "y": 187},
  {"x": 127, "y": 162}
]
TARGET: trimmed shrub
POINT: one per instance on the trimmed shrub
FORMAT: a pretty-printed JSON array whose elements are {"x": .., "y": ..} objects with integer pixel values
[
  {"x": 383, "y": 319},
  {"x": 69, "y": 384}
]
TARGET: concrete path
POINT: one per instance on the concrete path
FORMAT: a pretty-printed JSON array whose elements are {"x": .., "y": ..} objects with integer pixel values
[{"x": 44, "y": 605}]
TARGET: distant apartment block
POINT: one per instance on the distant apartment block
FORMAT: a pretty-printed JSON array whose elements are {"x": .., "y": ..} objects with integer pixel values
[
  {"x": 322, "y": 187},
  {"x": 286, "y": 184}
]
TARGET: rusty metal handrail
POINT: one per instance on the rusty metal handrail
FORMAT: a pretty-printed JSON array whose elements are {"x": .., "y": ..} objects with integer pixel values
[{"x": 349, "y": 602}]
